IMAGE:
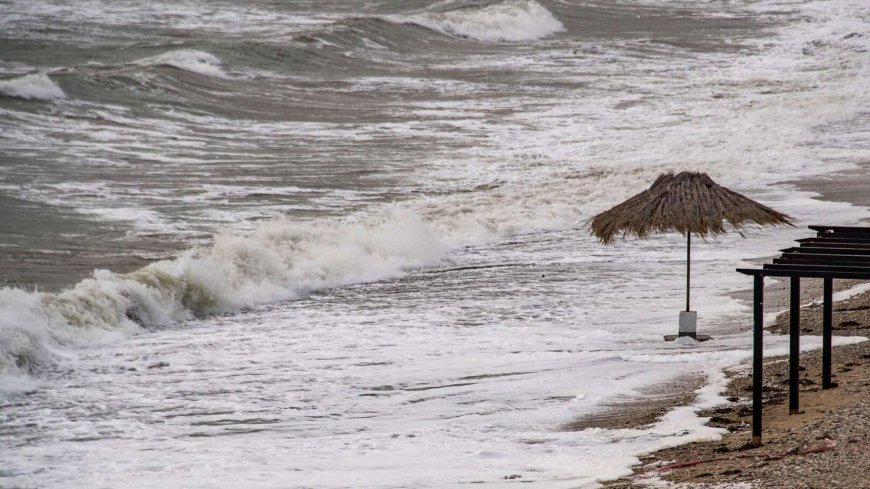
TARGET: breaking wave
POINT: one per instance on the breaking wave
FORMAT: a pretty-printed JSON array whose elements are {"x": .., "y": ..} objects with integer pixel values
[
  {"x": 280, "y": 261},
  {"x": 32, "y": 87},
  {"x": 509, "y": 21},
  {"x": 199, "y": 62}
]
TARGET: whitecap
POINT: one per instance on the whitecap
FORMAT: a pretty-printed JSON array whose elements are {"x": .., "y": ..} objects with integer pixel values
[
  {"x": 509, "y": 21},
  {"x": 199, "y": 62},
  {"x": 32, "y": 87},
  {"x": 281, "y": 260}
]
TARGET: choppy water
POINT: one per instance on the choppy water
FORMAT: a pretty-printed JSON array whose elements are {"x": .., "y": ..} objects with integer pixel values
[{"x": 340, "y": 244}]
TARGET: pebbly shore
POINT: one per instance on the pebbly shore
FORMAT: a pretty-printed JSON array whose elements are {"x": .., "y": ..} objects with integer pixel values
[{"x": 825, "y": 446}]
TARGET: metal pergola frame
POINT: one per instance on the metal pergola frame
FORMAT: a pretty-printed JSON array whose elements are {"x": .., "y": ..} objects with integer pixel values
[{"x": 837, "y": 252}]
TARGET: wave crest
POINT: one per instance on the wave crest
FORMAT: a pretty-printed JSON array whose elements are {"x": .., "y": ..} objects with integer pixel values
[
  {"x": 199, "y": 62},
  {"x": 280, "y": 261},
  {"x": 509, "y": 21},
  {"x": 32, "y": 87}
]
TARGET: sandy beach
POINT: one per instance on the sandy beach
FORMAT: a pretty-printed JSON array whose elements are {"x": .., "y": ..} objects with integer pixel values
[{"x": 823, "y": 447}]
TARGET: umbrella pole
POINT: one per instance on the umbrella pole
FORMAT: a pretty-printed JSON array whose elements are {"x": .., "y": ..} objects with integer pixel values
[
  {"x": 688, "y": 267},
  {"x": 688, "y": 318}
]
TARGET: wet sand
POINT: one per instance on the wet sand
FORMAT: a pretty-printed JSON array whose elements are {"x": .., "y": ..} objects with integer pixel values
[
  {"x": 823, "y": 447},
  {"x": 643, "y": 410}
]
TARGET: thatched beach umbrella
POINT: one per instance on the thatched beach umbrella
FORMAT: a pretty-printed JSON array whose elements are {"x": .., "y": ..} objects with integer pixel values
[{"x": 688, "y": 203}]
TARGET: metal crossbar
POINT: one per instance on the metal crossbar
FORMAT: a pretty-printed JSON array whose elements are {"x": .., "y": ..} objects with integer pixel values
[
  {"x": 806, "y": 273},
  {"x": 835, "y": 239},
  {"x": 820, "y": 267},
  {"x": 829, "y": 250},
  {"x": 822, "y": 258},
  {"x": 831, "y": 230},
  {"x": 837, "y": 244}
]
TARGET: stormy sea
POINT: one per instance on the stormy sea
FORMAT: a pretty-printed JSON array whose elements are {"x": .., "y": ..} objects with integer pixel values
[{"x": 343, "y": 244}]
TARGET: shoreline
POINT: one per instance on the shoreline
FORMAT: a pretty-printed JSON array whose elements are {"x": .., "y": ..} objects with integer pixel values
[
  {"x": 824, "y": 446},
  {"x": 645, "y": 410}
]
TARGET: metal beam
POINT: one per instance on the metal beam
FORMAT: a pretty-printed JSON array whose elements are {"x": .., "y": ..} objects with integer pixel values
[
  {"x": 806, "y": 273},
  {"x": 854, "y": 260},
  {"x": 837, "y": 230},
  {"x": 838, "y": 244},
  {"x": 828, "y": 250},
  {"x": 816, "y": 271},
  {"x": 809, "y": 267},
  {"x": 833, "y": 239},
  {"x": 801, "y": 263}
]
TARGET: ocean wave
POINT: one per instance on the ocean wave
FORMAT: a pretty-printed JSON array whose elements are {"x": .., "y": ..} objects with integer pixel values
[
  {"x": 279, "y": 261},
  {"x": 32, "y": 87},
  {"x": 199, "y": 62},
  {"x": 508, "y": 21}
]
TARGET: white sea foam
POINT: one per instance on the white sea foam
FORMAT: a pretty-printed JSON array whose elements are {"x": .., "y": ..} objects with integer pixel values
[
  {"x": 508, "y": 21},
  {"x": 191, "y": 60},
  {"x": 539, "y": 169},
  {"x": 32, "y": 87},
  {"x": 280, "y": 260},
  {"x": 283, "y": 259},
  {"x": 533, "y": 192}
]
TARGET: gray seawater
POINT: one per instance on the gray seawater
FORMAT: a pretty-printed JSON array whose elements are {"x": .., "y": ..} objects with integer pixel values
[
  {"x": 313, "y": 109},
  {"x": 341, "y": 244}
]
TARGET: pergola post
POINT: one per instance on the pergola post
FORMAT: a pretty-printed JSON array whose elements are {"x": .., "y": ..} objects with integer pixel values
[
  {"x": 794, "y": 346},
  {"x": 827, "y": 330},
  {"x": 757, "y": 356}
]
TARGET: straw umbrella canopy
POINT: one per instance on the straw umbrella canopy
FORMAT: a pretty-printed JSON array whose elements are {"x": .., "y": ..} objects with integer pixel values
[{"x": 688, "y": 203}]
